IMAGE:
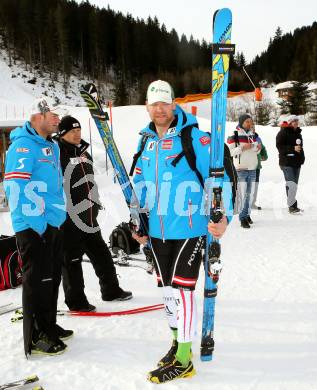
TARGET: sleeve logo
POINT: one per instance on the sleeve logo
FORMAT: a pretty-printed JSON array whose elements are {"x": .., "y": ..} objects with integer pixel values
[
  {"x": 20, "y": 160},
  {"x": 22, "y": 150},
  {"x": 138, "y": 171},
  {"x": 204, "y": 140}
]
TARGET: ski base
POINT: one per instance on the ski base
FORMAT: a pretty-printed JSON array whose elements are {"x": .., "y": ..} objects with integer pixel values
[
  {"x": 144, "y": 309},
  {"x": 9, "y": 308}
]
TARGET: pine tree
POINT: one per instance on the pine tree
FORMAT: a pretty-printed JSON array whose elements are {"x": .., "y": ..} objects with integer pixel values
[
  {"x": 284, "y": 107},
  {"x": 298, "y": 99},
  {"x": 313, "y": 109},
  {"x": 240, "y": 60},
  {"x": 121, "y": 91},
  {"x": 278, "y": 34},
  {"x": 263, "y": 111}
]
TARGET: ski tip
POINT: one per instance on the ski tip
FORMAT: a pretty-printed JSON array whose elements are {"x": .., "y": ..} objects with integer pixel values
[
  {"x": 206, "y": 358},
  {"x": 33, "y": 378},
  {"x": 222, "y": 12}
]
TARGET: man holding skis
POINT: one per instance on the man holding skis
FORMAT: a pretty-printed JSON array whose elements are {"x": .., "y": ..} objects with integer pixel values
[{"x": 174, "y": 195}]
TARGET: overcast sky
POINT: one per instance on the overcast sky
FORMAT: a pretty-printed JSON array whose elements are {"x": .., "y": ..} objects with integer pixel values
[{"x": 254, "y": 21}]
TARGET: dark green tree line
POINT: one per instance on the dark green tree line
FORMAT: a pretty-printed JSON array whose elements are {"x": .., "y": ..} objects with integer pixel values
[
  {"x": 291, "y": 56},
  {"x": 63, "y": 37}
]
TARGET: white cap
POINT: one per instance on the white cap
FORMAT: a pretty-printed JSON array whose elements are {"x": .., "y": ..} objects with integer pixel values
[
  {"x": 43, "y": 105},
  {"x": 292, "y": 118},
  {"x": 159, "y": 91}
]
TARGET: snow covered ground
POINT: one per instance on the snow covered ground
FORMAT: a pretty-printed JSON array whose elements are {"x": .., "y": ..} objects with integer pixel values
[
  {"x": 266, "y": 312},
  {"x": 19, "y": 86}
]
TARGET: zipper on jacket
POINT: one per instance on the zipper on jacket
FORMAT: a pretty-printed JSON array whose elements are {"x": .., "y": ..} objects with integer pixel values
[
  {"x": 57, "y": 165},
  {"x": 190, "y": 204},
  {"x": 89, "y": 195},
  {"x": 157, "y": 192}
]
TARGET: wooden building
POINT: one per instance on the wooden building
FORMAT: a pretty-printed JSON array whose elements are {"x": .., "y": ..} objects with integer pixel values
[{"x": 284, "y": 90}]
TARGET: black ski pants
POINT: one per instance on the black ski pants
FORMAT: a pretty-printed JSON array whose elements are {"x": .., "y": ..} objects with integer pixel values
[
  {"x": 78, "y": 243},
  {"x": 42, "y": 258}
]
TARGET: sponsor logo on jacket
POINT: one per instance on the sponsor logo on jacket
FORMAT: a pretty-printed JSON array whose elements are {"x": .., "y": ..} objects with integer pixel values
[
  {"x": 172, "y": 130},
  {"x": 167, "y": 144},
  {"x": 78, "y": 160},
  {"x": 20, "y": 160},
  {"x": 47, "y": 151},
  {"x": 204, "y": 140},
  {"x": 151, "y": 146},
  {"x": 22, "y": 150}
]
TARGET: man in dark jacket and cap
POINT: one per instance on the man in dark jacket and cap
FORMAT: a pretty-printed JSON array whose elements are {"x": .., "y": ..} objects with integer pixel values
[
  {"x": 289, "y": 142},
  {"x": 82, "y": 232}
]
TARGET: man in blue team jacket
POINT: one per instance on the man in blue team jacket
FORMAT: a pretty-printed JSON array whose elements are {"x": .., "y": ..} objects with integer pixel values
[
  {"x": 34, "y": 188},
  {"x": 177, "y": 219}
]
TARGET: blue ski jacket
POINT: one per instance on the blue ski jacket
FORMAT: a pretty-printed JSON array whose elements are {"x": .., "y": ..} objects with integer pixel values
[
  {"x": 33, "y": 181},
  {"x": 173, "y": 194}
]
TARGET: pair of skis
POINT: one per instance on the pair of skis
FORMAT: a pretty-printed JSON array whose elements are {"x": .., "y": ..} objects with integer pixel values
[
  {"x": 8, "y": 308},
  {"x": 21, "y": 383},
  {"x": 90, "y": 95},
  {"x": 123, "y": 260},
  {"x": 222, "y": 48}
]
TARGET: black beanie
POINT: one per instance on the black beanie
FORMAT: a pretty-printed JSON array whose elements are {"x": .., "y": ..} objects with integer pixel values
[
  {"x": 243, "y": 118},
  {"x": 66, "y": 124}
]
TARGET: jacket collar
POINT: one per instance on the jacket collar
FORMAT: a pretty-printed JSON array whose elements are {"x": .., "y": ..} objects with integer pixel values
[
  {"x": 74, "y": 149},
  {"x": 27, "y": 131},
  {"x": 181, "y": 120}
]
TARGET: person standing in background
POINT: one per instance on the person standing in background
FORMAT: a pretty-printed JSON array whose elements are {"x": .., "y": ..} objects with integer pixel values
[
  {"x": 244, "y": 149},
  {"x": 289, "y": 143}
]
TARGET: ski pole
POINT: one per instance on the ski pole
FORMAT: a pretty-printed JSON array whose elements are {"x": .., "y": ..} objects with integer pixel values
[
  {"x": 110, "y": 111},
  {"x": 249, "y": 77},
  {"x": 90, "y": 138},
  {"x": 111, "y": 127}
]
